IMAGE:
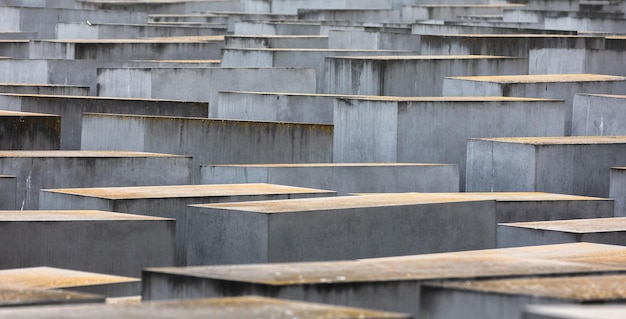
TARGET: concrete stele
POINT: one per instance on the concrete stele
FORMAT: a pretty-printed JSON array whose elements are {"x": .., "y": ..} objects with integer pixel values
[
  {"x": 102, "y": 242},
  {"x": 22, "y": 297},
  {"x": 29, "y": 131},
  {"x": 596, "y": 230},
  {"x": 220, "y": 308},
  {"x": 577, "y": 165},
  {"x": 574, "y": 312}
]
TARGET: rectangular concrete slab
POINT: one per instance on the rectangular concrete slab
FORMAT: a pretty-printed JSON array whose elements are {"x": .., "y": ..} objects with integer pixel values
[
  {"x": 47, "y": 89},
  {"x": 71, "y": 109},
  {"x": 410, "y": 75},
  {"x": 434, "y": 129},
  {"x": 598, "y": 115},
  {"x": 210, "y": 141},
  {"x": 94, "y": 241},
  {"x": 577, "y": 165},
  {"x": 574, "y": 311},
  {"x": 377, "y": 283},
  {"x": 37, "y": 170},
  {"x": 24, "y": 297},
  {"x": 292, "y": 7},
  {"x": 226, "y": 308},
  {"x": 324, "y": 228},
  {"x": 8, "y": 189},
  {"x": 131, "y": 31},
  {"x": 168, "y": 201},
  {"x": 617, "y": 190},
  {"x": 369, "y": 39},
  {"x": 554, "y": 86},
  {"x": 341, "y": 177},
  {"x": 71, "y": 280},
  {"x": 507, "y": 297},
  {"x": 276, "y": 41},
  {"x": 29, "y": 131},
  {"x": 595, "y": 230}
]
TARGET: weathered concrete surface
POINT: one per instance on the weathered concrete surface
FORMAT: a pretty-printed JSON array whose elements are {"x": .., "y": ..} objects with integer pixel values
[
  {"x": 325, "y": 229},
  {"x": 617, "y": 190},
  {"x": 604, "y": 61},
  {"x": 222, "y": 308},
  {"x": 599, "y": 115},
  {"x": 8, "y": 189},
  {"x": 291, "y": 27},
  {"x": 434, "y": 130},
  {"x": 390, "y": 284},
  {"x": 410, "y": 75},
  {"x": 594, "y": 230},
  {"x": 491, "y": 299},
  {"x": 210, "y": 141},
  {"x": 362, "y": 15},
  {"x": 454, "y": 27},
  {"x": 577, "y": 165},
  {"x": 574, "y": 311},
  {"x": 130, "y": 31},
  {"x": 504, "y": 44},
  {"x": 47, "y": 89},
  {"x": 294, "y": 58},
  {"x": 341, "y": 177},
  {"x": 536, "y": 206},
  {"x": 412, "y": 13},
  {"x": 276, "y": 41},
  {"x": 168, "y": 201},
  {"x": 29, "y": 131},
  {"x": 201, "y": 84},
  {"x": 71, "y": 109},
  {"x": 101, "y": 242},
  {"x": 12, "y": 297},
  {"x": 291, "y": 7},
  {"x": 164, "y": 48},
  {"x": 37, "y": 170},
  {"x": 555, "y": 86},
  {"x": 161, "y": 7},
  {"x": 72, "y": 280},
  {"x": 373, "y": 40}
]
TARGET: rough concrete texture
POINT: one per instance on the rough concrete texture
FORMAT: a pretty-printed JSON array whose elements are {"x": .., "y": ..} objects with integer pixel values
[
  {"x": 598, "y": 115},
  {"x": 373, "y": 40},
  {"x": 101, "y": 242},
  {"x": 434, "y": 130},
  {"x": 8, "y": 188},
  {"x": 617, "y": 190},
  {"x": 410, "y": 75},
  {"x": 276, "y": 41},
  {"x": 210, "y": 141},
  {"x": 574, "y": 311},
  {"x": 24, "y": 297},
  {"x": 71, "y": 109},
  {"x": 29, "y": 131},
  {"x": 168, "y": 201},
  {"x": 578, "y": 165},
  {"x": 221, "y": 308},
  {"x": 46, "y": 89},
  {"x": 377, "y": 283},
  {"x": 130, "y": 31},
  {"x": 553, "y": 86},
  {"x": 89, "y": 169},
  {"x": 292, "y": 7},
  {"x": 342, "y": 177},
  {"x": 72, "y": 280}
]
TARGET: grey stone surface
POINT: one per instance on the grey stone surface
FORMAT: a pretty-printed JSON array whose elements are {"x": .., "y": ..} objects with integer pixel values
[
  {"x": 373, "y": 40},
  {"x": 341, "y": 177},
  {"x": 29, "y": 131},
  {"x": 434, "y": 130},
  {"x": 71, "y": 109},
  {"x": 129, "y": 31},
  {"x": 47, "y": 89},
  {"x": 554, "y": 86},
  {"x": 444, "y": 11},
  {"x": 617, "y": 190},
  {"x": 276, "y": 41},
  {"x": 101, "y": 242},
  {"x": 24, "y": 297},
  {"x": 37, "y": 170},
  {"x": 598, "y": 115},
  {"x": 210, "y": 141},
  {"x": 578, "y": 165},
  {"x": 225, "y": 308},
  {"x": 574, "y": 311},
  {"x": 8, "y": 189},
  {"x": 410, "y": 75},
  {"x": 168, "y": 201},
  {"x": 325, "y": 228},
  {"x": 291, "y": 7}
]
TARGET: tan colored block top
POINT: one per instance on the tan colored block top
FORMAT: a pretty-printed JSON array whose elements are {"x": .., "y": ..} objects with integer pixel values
[
  {"x": 24, "y": 114},
  {"x": 426, "y": 57},
  {"x": 518, "y": 196},
  {"x": 70, "y": 215},
  {"x": 54, "y": 278},
  {"x": 559, "y": 140},
  {"x": 578, "y": 226},
  {"x": 542, "y": 78},
  {"x": 81, "y": 154},
  {"x": 308, "y": 165},
  {"x": 183, "y": 39}
]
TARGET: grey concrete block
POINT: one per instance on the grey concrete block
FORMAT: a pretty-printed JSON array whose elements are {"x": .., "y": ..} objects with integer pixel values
[
  {"x": 434, "y": 130},
  {"x": 276, "y": 41},
  {"x": 508, "y": 297},
  {"x": 554, "y": 86},
  {"x": 617, "y": 190},
  {"x": 243, "y": 307},
  {"x": 29, "y": 131},
  {"x": 294, "y": 58},
  {"x": 453, "y": 27},
  {"x": 373, "y": 40},
  {"x": 37, "y": 170},
  {"x": 8, "y": 189},
  {"x": 25, "y": 297},
  {"x": 578, "y": 165},
  {"x": 594, "y": 230},
  {"x": 168, "y": 201},
  {"x": 410, "y": 75},
  {"x": 292, "y": 7},
  {"x": 172, "y": 7},
  {"x": 412, "y": 13},
  {"x": 71, "y": 280},
  {"x": 342, "y": 177},
  {"x": 326, "y": 228},
  {"x": 598, "y": 115},
  {"x": 390, "y": 284},
  {"x": 369, "y": 15},
  {"x": 201, "y": 84},
  {"x": 71, "y": 109},
  {"x": 95, "y": 241},
  {"x": 46, "y": 89},
  {"x": 574, "y": 311},
  {"x": 210, "y": 141}
]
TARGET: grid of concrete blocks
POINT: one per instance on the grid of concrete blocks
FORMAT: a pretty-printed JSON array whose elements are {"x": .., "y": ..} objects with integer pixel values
[{"x": 313, "y": 159}]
